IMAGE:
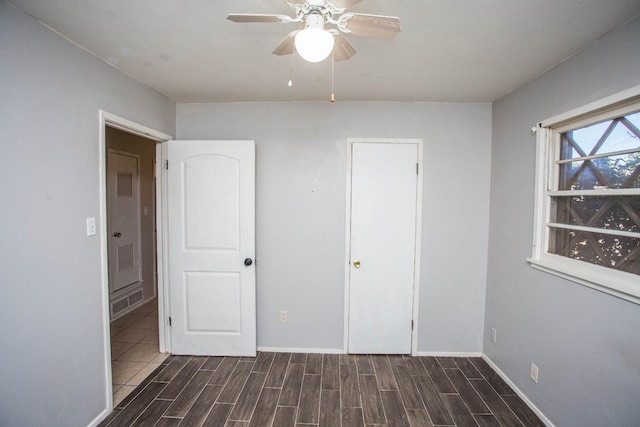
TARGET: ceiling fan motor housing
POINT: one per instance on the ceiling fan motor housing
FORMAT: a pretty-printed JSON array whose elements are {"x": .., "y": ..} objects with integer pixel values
[{"x": 314, "y": 20}]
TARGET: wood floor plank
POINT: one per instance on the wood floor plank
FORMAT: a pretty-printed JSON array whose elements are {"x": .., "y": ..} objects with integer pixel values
[
  {"x": 371, "y": 402},
  {"x": 139, "y": 404},
  {"x": 263, "y": 362},
  {"x": 185, "y": 375},
  {"x": 266, "y": 407},
  {"x": 435, "y": 406},
  {"x": 202, "y": 406},
  {"x": 308, "y": 410},
  {"x": 330, "y": 372},
  {"x": 236, "y": 382},
  {"x": 314, "y": 364},
  {"x": 410, "y": 395},
  {"x": 248, "y": 398},
  {"x": 285, "y": 416},
  {"x": 495, "y": 403},
  {"x": 347, "y": 359},
  {"x": 212, "y": 363},
  {"x": 498, "y": 384},
  {"x": 152, "y": 414},
  {"x": 457, "y": 409},
  {"x": 419, "y": 418},
  {"x": 397, "y": 360},
  {"x": 440, "y": 379},
  {"x": 365, "y": 367},
  {"x": 189, "y": 394},
  {"x": 298, "y": 358},
  {"x": 522, "y": 411},
  {"x": 352, "y": 417},
  {"x": 218, "y": 415},
  {"x": 224, "y": 371},
  {"x": 384, "y": 373},
  {"x": 168, "y": 422},
  {"x": 468, "y": 369},
  {"x": 415, "y": 366},
  {"x": 349, "y": 386},
  {"x": 278, "y": 370},
  {"x": 329, "y": 408},
  {"x": 468, "y": 393},
  {"x": 447, "y": 362},
  {"x": 487, "y": 421},
  {"x": 394, "y": 409},
  {"x": 172, "y": 369},
  {"x": 292, "y": 385}
]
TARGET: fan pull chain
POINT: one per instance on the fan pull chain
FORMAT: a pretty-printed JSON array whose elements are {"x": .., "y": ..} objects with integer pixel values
[
  {"x": 333, "y": 97},
  {"x": 293, "y": 54}
]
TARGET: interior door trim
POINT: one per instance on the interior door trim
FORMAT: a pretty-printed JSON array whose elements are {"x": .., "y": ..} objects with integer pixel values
[
  {"x": 418, "y": 243},
  {"x": 107, "y": 119}
]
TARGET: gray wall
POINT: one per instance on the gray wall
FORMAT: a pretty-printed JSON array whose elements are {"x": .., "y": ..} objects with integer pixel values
[
  {"x": 300, "y": 211},
  {"x": 586, "y": 343},
  {"x": 146, "y": 149},
  {"x": 52, "y": 365}
]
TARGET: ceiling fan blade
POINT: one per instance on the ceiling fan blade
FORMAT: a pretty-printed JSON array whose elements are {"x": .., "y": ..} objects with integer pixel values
[
  {"x": 376, "y": 26},
  {"x": 287, "y": 47},
  {"x": 342, "y": 49},
  {"x": 251, "y": 18},
  {"x": 345, "y": 4}
]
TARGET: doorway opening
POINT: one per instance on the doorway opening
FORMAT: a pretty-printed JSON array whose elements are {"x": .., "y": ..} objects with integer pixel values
[{"x": 132, "y": 253}]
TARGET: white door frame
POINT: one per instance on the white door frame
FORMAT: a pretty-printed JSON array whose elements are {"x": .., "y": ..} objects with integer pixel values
[
  {"x": 418, "y": 243},
  {"x": 108, "y": 119}
]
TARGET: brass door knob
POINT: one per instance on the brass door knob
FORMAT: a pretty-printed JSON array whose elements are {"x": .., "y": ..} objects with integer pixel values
[{"x": 356, "y": 264}]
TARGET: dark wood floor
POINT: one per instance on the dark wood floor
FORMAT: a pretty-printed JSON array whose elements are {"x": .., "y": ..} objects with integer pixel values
[{"x": 285, "y": 389}]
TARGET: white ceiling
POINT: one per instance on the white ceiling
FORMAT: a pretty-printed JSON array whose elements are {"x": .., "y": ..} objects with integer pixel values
[{"x": 458, "y": 51}]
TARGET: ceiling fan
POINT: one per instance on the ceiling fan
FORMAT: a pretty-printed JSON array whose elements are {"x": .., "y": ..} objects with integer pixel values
[{"x": 313, "y": 42}]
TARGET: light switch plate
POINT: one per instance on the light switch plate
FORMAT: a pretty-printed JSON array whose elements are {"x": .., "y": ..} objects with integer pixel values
[{"x": 91, "y": 226}]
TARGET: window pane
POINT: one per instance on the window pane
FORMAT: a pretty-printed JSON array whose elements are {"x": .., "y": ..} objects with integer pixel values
[
  {"x": 613, "y": 213},
  {"x": 601, "y": 138},
  {"x": 621, "y": 171},
  {"x": 620, "y": 253}
]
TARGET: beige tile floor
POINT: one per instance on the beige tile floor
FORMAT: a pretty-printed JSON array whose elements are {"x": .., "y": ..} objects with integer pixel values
[{"x": 134, "y": 349}]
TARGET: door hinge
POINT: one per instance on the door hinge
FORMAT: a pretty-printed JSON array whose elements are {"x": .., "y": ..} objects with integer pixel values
[
  {"x": 417, "y": 168},
  {"x": 412, "y": 325},
  {"x": 166, "y": 164},
  {"x": 169, "y": 320}
]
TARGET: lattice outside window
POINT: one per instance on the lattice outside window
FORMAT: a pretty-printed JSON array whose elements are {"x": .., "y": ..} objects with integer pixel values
[
  {"x": 588, "y": 197},
  {"x": 602, "y": 229}
]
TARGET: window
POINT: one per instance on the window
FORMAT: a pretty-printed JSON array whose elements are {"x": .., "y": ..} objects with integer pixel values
[{"x": 588, "y": 196}]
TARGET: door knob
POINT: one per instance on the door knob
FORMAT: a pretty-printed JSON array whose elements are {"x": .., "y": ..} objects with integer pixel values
[
  {"x": 117, "y": 234},
  {"x": 248, "y": 261},
  {"x": 356, "y": 264}
]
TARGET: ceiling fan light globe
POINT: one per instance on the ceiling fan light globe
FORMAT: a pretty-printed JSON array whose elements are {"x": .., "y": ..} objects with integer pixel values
[{"x": 314, "y": 44}]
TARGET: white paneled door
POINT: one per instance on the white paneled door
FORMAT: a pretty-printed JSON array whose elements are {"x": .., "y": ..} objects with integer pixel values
[
  {"x": 382, "y": 247},
  {"x": 211, "y": 246},
  {"x": 123, "y": 200}
]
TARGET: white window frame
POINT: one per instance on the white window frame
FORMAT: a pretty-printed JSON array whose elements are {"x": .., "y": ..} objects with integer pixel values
[{"x": 619, "y": 283}]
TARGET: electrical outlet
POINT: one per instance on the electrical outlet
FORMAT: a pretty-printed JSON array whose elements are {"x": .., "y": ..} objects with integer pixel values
[
  {"x": 284, "y": 317},
  {"x": 494, "y": 335},
  {"x": 534, "y": 372}
]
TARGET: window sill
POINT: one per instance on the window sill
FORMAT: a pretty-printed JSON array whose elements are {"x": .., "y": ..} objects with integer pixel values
[{"x": 619, "y": 284}]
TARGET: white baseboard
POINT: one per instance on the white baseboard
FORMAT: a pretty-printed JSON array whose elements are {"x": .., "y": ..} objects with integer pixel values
[
  {"x": 301, "y": 350},
  {"x": 519, "y": 392},
  {"x": 97, "y": 420},
  {"x": 448, "y": 354}
]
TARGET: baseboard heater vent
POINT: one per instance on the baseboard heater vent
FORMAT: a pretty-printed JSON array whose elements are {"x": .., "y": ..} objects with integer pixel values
[{"x": 125, "y": 303}]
